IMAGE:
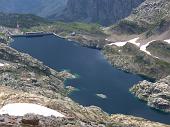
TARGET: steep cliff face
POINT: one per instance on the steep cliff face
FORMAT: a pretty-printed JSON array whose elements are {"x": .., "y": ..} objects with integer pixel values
[{"x": 104, "y": 12}]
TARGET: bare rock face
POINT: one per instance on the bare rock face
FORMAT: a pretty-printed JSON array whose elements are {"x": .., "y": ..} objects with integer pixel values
[
  {"x": 157, "y": 95},
  {"x": 151, "y": 11},
  {"x": 105, "y": 12},
  {"x": 152, "y": 15},
  {"x": 30, "y": 120}
]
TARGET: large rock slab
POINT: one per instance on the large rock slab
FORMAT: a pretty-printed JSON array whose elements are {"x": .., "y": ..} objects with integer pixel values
[{"x": 157, "y": 95}]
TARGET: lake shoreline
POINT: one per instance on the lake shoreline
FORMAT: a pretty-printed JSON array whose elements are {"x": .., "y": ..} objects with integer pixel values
[
  {"x": 91, "y": 47},
  {"x": 75, "y": 83}
]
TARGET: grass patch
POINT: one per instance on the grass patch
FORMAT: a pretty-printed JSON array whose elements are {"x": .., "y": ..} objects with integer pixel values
[
  {"x": 129, "y": 27},
  {"x": 65, "y": 28}
]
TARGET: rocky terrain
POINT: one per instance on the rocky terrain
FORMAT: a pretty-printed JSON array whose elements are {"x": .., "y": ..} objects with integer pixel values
[
  {"x": 152, "y": 17},
  {"x": 157, "y": 95},
  {"x": 131, "y": 59},
  {"x": 89, "y": 35},
  {"x": 76, "y": 115},
  {"x": 26, "y": 80},
  {"x": 23, "y": 72},
  {"x": 160, "y": 49},
  {"x": 5, "y": 34},
  {"x": 150, "y": 22}
]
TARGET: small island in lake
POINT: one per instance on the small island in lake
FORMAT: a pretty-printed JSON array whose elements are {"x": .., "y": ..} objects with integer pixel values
[
  {"x": 102, "y": 96},
  {"x": 71, "y": 89}
]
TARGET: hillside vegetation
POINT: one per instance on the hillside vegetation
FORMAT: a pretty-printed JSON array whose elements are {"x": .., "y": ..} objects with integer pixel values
[
  {"x": 43, "y": 8},
  {"x": 70, "y": 27},
  {"x": 23, "y": 20}
]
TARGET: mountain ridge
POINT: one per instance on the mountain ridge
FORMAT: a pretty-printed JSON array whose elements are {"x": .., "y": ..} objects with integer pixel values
[
  {"x": 104, "y": 12},
  {"x": 41, "y": 8}
]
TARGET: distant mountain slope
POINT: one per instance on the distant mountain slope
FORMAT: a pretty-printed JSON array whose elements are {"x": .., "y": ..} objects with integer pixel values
[
  {"x": 50, "y": 7},
  {"x": 19, "y": 6},
  {"x": 24, "y": 20},
  {"x": 104, "y": 12},
  {"x": 39, "y": 7}
]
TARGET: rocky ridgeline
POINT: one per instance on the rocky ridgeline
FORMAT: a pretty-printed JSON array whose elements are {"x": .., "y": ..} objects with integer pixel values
[
  {"x": 151, "y": 11},
  {"x": 157, "y": 95},
  {"x": 129, "y": 58},
  {"x": 152, "y": 17}
]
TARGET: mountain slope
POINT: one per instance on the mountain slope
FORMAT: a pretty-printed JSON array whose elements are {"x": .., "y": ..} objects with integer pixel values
[
  {"x": 150, "y": 23},
  {"x": 39, "y": 7},
  {"x": 153, "y": 15},
  {"x": 24, "y": 20},
  {"x": 104, "y": 12}
]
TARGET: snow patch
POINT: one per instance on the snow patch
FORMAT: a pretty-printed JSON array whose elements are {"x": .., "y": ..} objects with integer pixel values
[
  {"x": 168, "y": 40},
  {"x": 21, "y": 109},
  {"x": 4, "y": 64},
  {"x": 120, "y": 44},
  {"x": 1, "y": 64},
  {"x": 143, "y": 47},
  {"x": 134, "y": 41}
]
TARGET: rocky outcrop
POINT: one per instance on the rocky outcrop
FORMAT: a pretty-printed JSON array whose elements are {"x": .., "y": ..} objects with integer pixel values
[
  {"x": 131, "y": 121},
  {"x": 152, "y": 16},
  {"x": 151, "y": 11},
  {"x": 160, "y": 49},
  {"x": 22, "y": 72},
  {"x": 105, "y": 12},
  {"x": 131, "y": 59},
  {"x": 157, "y": 95},
  {"x": 75, "y": 115}
]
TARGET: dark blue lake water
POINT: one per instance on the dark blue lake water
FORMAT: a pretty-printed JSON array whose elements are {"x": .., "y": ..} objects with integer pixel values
[{"x": 96, "y": 75}]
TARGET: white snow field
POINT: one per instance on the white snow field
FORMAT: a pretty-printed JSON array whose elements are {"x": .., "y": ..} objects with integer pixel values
[{"x": 21, "y": 109}]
